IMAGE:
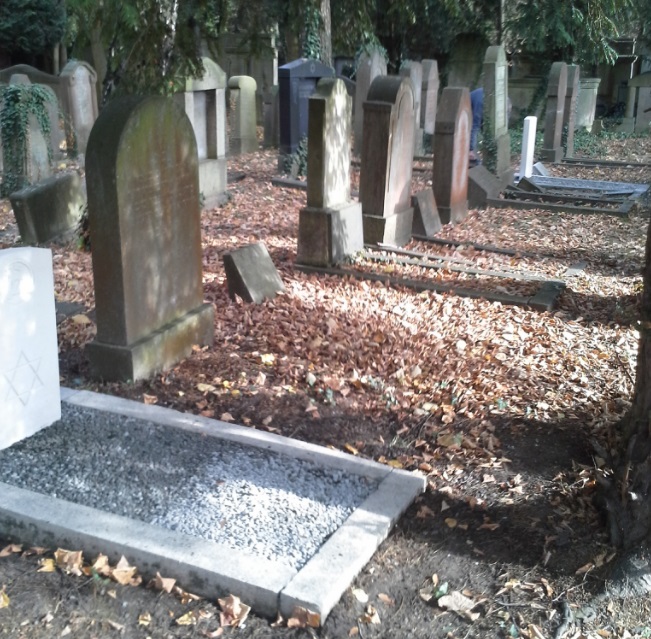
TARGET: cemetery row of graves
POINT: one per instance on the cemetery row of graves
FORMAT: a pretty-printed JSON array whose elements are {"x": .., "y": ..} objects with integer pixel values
[{"x": 396, "y": 304}]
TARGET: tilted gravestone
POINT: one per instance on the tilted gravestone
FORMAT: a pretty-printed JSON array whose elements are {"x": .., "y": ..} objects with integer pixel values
[
  {"x": 414, "y": 71},
  {"x": 79, "y": 88},
  {"x": 387, "y": 151},
  {"x": 244, "y": 136},
  {"x": 426, "y": 215},
  {"x": 569, "y": 112},
  {"x": 297, "y": 81},
  {"x": 204, "y": 102},
  {"x": 429, "y": 96},
  {"x": 29, "y": 356},
  {"x": 497, "y": 153},
  {"x": 330, "y": 226},
  {"x": 143, "y": 203},
  {"x": 251, "y": 274},
  {"x": 371, "y": 65},
  {"x": 451, "y": 149},
  {"x": 552, "y": 150}
]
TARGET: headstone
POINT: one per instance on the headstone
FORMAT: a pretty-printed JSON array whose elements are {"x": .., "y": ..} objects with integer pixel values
[
  {"x": 387, "y": 150},
  {"x": 371, "y": 65},
  {"x": 297, "y": 82},
  {"x": 528, "y": 146},
  {"x": 586, "y": 105},
  {"x": 29, "y": 355},
  {"x": 271, "y": 118},
  {"x": 497, "y": 155},
  {"x": 465, "y": 62},
  {"x": 330, "y": 226},
  {"x": 414, "y": 71},
  {"x": 426, "y": 216},
  {"x": 79, "y": 84},
  {"x": 49, "y": 209},
  {"x": 639, "y": 94},
  {"x": 244, "y": 135},
  {"x": 37, "y": 165},
  {"x": 569, "y": 114},
  {"x": 143, "y": 203},
  {"x": 430, "y": 96},
  {"x": 204, "y": 102},
  {"x": 482, "y": 186},
  {"x": 540, "y": 169},
  {"x": 451, "y": 149},
  {"x": 251, "y": 274},
  {"x": 552, "y": 150}
]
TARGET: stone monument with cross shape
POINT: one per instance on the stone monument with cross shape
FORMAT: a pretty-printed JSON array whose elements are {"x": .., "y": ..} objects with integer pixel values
[{"x": 330, "y": 226}]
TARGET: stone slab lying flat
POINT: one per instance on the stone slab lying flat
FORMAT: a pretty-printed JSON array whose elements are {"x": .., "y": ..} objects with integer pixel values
[{"x": 206, "y": 567}]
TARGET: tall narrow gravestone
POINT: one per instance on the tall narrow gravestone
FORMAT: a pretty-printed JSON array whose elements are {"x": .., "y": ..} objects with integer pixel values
[
  {"x": 569, "y": 114},
  {"x": 414, "y": 71},
  {"x": 330, "y": 227},
  {"x": 79, "y": 85},
  {"x": 143, "y": 203},
  {"x": 451, "y": 148},
  {"x": 371, "y": 65},
  {"x": 429, "y": 95},
  {"x": 387, "y": 150},
  {"x": 497, "y": 156},
  {"x": 29, "y": 356},
  {"x": 244, "y": 136},
  {"x": 552, "y": 150}
]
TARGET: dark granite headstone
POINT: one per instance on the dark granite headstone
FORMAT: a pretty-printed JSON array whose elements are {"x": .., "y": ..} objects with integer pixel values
[
  {"x": 552, "y": 150},
  {"x": 426, "y": 215},
  {"x": 297, "y": 81},
  {"x": 251, "y": 274},
  {"x": 451, "y": 148},
  {"x": 143, "y": 202}
]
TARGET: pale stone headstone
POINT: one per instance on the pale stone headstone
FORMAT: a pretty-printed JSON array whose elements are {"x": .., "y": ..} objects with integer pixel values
[
  {"x": 587, "y": 102},
  {"x": 244, "y": 136},
  {"x": 414, "y": 71},
  {"x": 387, "y": 150},
  {"x": 496, "y": 126},
  {"x": 552, "y": 150},
  {"x": 451, "y": 149},
  {"x": 330, "y": 227},
  {"x": 251, "y": 274},
  {"x": 528, "y": 146},
  {"x": 143, "y": 203},
  {"x": 371, "y": 65},
  {"x": 429, "y": 95},
  {"x": 204, "y": 102},
  {"x": 569, "y": 114},
  {"x": 29, "y": 355},
  {"x": 79, "y": 83}
]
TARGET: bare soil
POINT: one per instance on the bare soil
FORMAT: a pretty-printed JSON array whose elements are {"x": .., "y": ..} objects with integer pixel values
[{"x": 498, "y": 405}]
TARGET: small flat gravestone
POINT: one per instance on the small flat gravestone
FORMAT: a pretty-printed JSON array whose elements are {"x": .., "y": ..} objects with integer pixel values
[
  {"x": 143, "y": 202},
  {"x": 29, "y": 357},
  {"x": 251, "y": 274},
  {"x": 426, "y": 216}
]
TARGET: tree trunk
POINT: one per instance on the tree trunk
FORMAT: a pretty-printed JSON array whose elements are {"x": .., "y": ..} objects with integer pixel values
[{"x": 326, "y": 33}]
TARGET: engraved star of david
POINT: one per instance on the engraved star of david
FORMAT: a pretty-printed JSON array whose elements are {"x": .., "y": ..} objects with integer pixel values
[{"x": 23, "y": 378}]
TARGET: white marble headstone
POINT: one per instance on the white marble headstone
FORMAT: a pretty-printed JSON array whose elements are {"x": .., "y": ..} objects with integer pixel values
[{"x": 29, "y": 360}]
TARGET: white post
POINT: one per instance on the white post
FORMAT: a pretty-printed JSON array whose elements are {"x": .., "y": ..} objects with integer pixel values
[{"x": 528, "y": 144}]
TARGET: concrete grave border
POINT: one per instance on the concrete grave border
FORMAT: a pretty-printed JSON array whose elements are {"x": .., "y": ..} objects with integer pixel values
[{"x": 208, "y": 568}]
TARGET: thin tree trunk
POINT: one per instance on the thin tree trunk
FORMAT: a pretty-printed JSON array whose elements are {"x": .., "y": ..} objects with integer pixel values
[{"x": 326, "y": 33}]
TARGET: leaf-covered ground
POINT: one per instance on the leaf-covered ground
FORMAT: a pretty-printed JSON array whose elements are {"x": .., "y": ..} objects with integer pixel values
[{"x": 497, "y": 405}]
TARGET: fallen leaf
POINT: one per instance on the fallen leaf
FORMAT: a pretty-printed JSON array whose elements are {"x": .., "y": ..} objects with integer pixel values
[
  {"x": 227, "y": 417},
  {"x": 47, "y": 565},
  {"x": 162, "y": 583},
  {"x": 234, "y": 612},
  {"x": 125, "y": 574},
  {"x": 386, "y": 600},
  {"x": 70, "y": 561},
  {"x": 11, "y": 548},
  {"x": 4, "y": 598},
  {"x": 188, "y": 619},
  {"x": 360, "y": 595},
  {"x": 81, "y": 319},
  {"x": 144, "y": 619},
  {"x": 303, "y": 618},
  {"x": 459, "y": 603}
]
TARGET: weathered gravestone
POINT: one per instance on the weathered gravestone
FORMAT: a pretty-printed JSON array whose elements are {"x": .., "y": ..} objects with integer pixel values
[
  {"x": 552, "y": 150},
  {"x": 497, "y": 153},
  {"x": 297, "y": 82},
  {"x": 330, "y": 226},
  {"x": 271, "y": 109},
  {"x": 451, "y": 149},
  {"x": 426, "y": 220},
  {"x": 251, "y": 274},
  {"x": 79, "y": 87},
  {"x": 204, "y": 102},
  {"x": 143, "y": 203},
  {"x": 414, "y": 71},
  {"x": 569, "y": 112},
  {"x": 429, "y": 95},
  {"x": 29, "y": 356},
  {"x": 387, "y": 151},
  {"x": 244, "y": 135},
  {"x": 371, "y": 65}
]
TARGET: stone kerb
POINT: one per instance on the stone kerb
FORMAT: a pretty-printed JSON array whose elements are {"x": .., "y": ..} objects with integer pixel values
[
  {"x": 79, "y": 89},
  {"x": 451, "y": 149},
  {"x": 244, "y": 138},
  {"x": 429, "y": 95},
  {"x": 371, "y": 65},
  {"x": 387, "y": 150},
  {"x": 330, "y": 227},
  {"x": 552, "y": 150},
  {"x": 143, "y": 203}
]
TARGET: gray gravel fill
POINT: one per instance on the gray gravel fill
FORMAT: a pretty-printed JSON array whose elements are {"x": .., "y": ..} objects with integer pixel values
[{"x": 247, "y": 498}]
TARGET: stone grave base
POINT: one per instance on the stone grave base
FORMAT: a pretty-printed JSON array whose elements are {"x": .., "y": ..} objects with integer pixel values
[
  {"x": 158, "y": 351},
  {"x": 551, "y": 155},
  {"x": 212, "y": 182},
  {"x": 454, "y": 214},
  {"x": 394, "y": 229},
  {"x": 327, "y": 236}
]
